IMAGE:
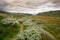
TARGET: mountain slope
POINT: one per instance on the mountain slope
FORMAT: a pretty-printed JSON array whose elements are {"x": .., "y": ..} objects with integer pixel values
[{"x": 50, "y": 13}]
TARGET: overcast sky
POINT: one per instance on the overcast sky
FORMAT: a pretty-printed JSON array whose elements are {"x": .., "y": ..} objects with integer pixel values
[{"x": 29, "y": 6}]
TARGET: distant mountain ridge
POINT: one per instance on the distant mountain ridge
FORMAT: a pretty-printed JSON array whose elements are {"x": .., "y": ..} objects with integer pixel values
[
  {"x": 50, "y": 13},
  {"x": 4, "y": 12}
]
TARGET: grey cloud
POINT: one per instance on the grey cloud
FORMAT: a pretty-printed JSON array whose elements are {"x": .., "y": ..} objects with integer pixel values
[{"x": 28, "y": 5}]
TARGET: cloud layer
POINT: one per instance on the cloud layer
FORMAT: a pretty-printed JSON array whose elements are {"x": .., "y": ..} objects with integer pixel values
[{"x": 29, "y": 6}]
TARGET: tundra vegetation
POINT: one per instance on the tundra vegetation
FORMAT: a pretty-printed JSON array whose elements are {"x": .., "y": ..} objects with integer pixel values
[{"x": 28, "y": 27}]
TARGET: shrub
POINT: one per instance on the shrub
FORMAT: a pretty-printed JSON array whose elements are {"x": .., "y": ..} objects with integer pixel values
[
  {"x": 31, "y": 34},
  {"x": 9, "y": 27}
]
